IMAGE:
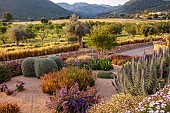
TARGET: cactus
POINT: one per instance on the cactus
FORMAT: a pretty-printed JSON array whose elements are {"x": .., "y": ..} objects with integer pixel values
[
  {"x": 28, "y": 67},
  {"x": 44, "y": 66}
]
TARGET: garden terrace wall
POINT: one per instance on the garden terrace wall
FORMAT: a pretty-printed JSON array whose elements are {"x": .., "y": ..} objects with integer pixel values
[
  {"x": 62, "y": 55},
  {"x": 122, "y": 48},
  {"x": 83, "y": 52},
  {"x": 37, "y": 52}
]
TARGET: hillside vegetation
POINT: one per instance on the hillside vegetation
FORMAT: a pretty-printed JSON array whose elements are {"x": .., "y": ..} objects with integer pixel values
[
  {"x": 32, "y": 9},
  {"x": 136, "y": 6}
]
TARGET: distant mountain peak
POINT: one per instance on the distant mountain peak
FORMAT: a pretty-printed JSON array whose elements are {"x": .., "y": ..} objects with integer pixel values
[
  {"x": 84, "y": 9},
  {"x": 34, "y": 9},
  {"x": 136, "y": 6}
]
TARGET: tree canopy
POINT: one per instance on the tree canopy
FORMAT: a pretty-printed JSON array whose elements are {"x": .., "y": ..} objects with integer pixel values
[
  {"x": 101, "y": 39},
  {"x": 6, "y": 17},
  {"x": 77, "y": 28}
]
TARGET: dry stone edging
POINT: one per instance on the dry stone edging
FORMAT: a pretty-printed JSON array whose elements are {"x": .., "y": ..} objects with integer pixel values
[{"x": 117, "y": 49}]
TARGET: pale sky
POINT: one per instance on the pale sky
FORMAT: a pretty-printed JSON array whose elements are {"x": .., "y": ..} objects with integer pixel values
[{"x": 107, "y": 2}]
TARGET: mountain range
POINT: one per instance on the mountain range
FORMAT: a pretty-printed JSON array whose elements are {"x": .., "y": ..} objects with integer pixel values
[
  {"x": 84, "y": 9},
  {"x": 35, "y": 9},
  {"x": 137, "y": 6},
  {"x": 32, "y": 9}
]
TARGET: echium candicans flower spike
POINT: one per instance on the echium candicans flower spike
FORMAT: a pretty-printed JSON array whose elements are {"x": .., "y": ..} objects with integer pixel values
[
  {"x": 159, "y": 51},
  {"x": 151, "y": 63},
  {"x": 168, "y": 50},
  {"x": 164, "y": 52},
  {"x": 161, "y": 67},
  {"x": 169, "y": 73},
  {"x": 146, "y": 62},
  {"x": 154, "y": 53},
  {"x": 137, "y": 69}
]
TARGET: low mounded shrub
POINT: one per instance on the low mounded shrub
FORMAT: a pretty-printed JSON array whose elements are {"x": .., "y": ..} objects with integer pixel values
[
  {"x": 9, "y": 108},
  {"x": 121, "y": 59},
  {"x": 27, "y": 66},
  {"x": 77, "y": 61},
  {"x": 67, "y": 77},
  {"x": 5, "y": 73},
  {"x": 119, "y": 103},
  {"x": 59, "y": 61},
  {"x": 15, "y": 68},
  {"x": 106, "y": 75},
  {"x": 44, "y": 66},
  {"x": 99, "y": 64}
]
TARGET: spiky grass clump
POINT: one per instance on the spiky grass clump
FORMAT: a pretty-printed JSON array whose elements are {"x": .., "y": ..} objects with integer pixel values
[{"x": 9, "y": 108}]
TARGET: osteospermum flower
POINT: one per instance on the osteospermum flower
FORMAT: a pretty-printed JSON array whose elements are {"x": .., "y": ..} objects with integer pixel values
[{"x": 156, "y": 103}]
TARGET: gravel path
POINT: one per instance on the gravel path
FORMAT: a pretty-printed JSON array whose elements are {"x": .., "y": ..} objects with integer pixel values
[
  {"x": 139, "y": 51},
  {"x": 31, "y": 100}
]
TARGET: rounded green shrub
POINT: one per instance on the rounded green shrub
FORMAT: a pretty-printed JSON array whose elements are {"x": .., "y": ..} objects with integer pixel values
[
  {"x": 28, "y": 67},
  {"x": 59, "y": 61},
  {"x": 44, "y": 66},
  {"x": 5, "y": 73}
]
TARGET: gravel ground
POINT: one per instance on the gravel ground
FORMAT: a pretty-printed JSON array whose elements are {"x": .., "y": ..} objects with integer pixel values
[{"x": 31, "y": 100}]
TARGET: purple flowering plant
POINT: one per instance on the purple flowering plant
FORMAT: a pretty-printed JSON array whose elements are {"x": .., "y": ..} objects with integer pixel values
[
  {"x": 20, "y": 86},
  {"x": 73, "y": 100},
  {"x": 4, "y": 88}
]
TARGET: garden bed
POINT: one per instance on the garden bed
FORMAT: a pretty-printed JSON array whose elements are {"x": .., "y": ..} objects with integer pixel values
[{"x": 33, "y": 100}]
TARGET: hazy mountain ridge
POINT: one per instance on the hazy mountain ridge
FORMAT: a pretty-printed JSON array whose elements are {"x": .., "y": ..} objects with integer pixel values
[
  {"x": 35, "y": 9},
  {"x": 136, "y": 6},
  {"x": 85, "y": 9}
]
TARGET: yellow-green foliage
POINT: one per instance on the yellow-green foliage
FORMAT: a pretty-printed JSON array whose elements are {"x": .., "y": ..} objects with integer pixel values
[
  {"x": 23, "y": 53},
  {"x": 67, "y": 77},
  {"x": 27, "y": 66},
  {"x": 119, "y": 103},
  {"x": 124, "y": 40},
  {"x": 9, "y": 108},
  {"x": 44, "y": 66}
]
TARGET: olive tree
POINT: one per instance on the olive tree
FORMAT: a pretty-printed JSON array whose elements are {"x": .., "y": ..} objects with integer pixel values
[
  {"x": 44, "y": 20},
  {"x": 43, "y": 33},
  {"x": 102, "y": 40},
  {"x": 77, "y": 28},
  {"x": 3, "y": 36},
  {"x": 6, "y": 17},
  {"x": 130, "y": 28},
  {"x": 17, "y": 33},
  {"x": 114, "y": 28}
]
